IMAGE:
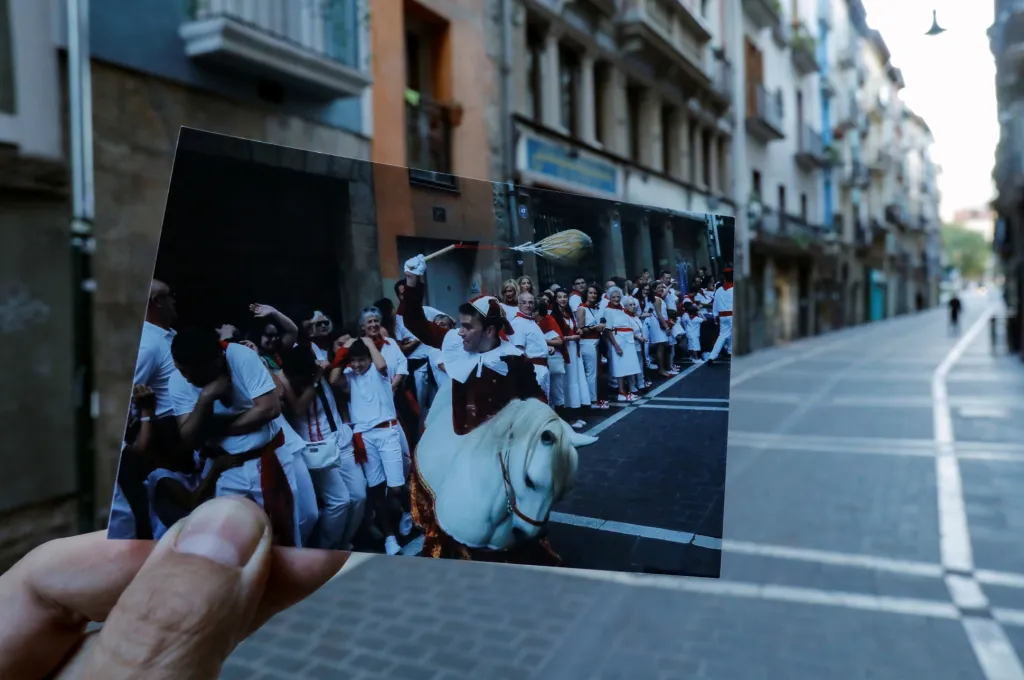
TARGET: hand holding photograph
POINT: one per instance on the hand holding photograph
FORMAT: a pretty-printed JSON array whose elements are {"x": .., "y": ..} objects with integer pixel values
[{"x": 388, "y": 360}]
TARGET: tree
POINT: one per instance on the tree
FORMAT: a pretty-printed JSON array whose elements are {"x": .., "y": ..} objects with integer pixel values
[{"x": 966, "y": 249}]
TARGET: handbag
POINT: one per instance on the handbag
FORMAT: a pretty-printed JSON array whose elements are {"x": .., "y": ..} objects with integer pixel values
[{"x": 322, "y": 454}]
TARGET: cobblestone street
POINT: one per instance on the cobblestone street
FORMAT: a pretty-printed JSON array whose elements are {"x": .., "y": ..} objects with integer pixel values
[{"x": 873, "y": 518}]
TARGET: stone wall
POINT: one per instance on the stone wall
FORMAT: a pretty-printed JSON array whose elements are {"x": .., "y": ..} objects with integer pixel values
[{"x": 136, "y": 120}]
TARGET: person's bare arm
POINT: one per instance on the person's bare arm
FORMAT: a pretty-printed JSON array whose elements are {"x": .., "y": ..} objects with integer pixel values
[
  {"x": 194, "y": 425},
  {"x": 378, "y": 359},
  {"x": 289, "y": 331},
  {"x": 265, "y": 408}
]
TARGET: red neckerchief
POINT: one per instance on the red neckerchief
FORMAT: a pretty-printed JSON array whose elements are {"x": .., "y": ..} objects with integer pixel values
[
  {"x": 576, "y": 293},
  {"x": 520, "y": 315},
  {"x": 629, "y": 313},
  {"x": 613, "y": 305},
  {"x": 379, "y": 342},
  {"x": 549, "y": 323},
  {"x": 224, "y": 345},
  {"x": 727, "y": 286}
]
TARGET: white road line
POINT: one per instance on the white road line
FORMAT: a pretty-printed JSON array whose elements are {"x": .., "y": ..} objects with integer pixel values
[
  {"x": 999, "y": 578},
  {"x": 859, "y": 561},
  {"x": 608, "y": 422},
  {"x": 782, "y": 441},
  {"x": 954, "y": 533},
  {"x": 655, "y": 533},
  {"x": 786, "y": 361},
  {"x": 692, "y": 400},
  {"x": 793, "y": 594},
  {"x": 995, "y": 654},
  {"x": 1008, "y": 617},
  {"x": 680, "y": 407},
  {"x": 671, "y": 382}
]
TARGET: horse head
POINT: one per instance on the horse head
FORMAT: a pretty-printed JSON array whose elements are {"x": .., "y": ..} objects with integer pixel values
[{"x": 539, "y": 465}]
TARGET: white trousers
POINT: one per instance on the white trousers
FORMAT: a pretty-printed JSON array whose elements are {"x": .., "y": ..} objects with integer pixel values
[
  {"x": 544, "y": 380},
  {"x": 724, "y": 337},
  {"x": 245, "y": 481},
  {"x": 591, "y": 362},
  {"x": 385, "y": 459}
]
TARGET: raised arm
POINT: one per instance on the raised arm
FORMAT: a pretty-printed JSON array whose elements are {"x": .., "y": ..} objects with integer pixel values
[{"x": 411, "y": 307}]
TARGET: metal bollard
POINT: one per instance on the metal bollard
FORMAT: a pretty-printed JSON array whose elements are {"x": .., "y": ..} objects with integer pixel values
[{"x": 992, "y": 333}]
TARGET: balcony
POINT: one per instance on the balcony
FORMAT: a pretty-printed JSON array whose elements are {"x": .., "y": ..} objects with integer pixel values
[
  {"x": 851, "y": 114},
  {"x": 803, "y": 49},
  {"x": 881, "y": 162},
  {"x": 1010, "y": 21},
  {"x": 855, "y": 175},
  {"x": 896, "y": 215},
  {"x": 810, "y": 153},
  {"x": 308, "y": 46},
  {"x": 722, "y": 79},
  {"x": 764, "y": 113},
  {"x": 763, "y": 13},
  {"x": 861, "y": 234},
  {"x": 669, "y": 28},
  {"x": 782, "y": 34},
  {"x": 428, "y": 144}
]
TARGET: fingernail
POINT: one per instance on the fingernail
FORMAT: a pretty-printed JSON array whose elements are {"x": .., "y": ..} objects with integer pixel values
[{"x": 223, "y": 530}]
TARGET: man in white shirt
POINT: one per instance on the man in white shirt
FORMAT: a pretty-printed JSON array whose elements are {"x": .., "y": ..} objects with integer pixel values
[
  {"x": 226, "y": 404},
  {"x": 579, "y": 289},
  {"x": 529, "y": 337},
  {"x": 418, "y": 355},
  {"x": 153, "y": 368},
  {"x": 722, "y": 310}
]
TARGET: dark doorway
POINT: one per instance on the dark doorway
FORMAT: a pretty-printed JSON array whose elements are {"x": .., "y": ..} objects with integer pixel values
[{"x": 236, "y": 232}]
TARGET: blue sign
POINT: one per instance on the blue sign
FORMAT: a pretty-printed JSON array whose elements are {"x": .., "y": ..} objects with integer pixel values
[
  {"x": 554, "y": 161},
  {"x": 522, "y": 211}
]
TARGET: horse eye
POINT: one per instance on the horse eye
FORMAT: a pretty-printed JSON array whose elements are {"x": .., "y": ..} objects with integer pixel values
[
  {"x": 529, "y": 483},
  {"x": 548, "y": 437}
]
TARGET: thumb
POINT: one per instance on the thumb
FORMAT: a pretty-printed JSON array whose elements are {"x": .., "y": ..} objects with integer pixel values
[{"x": 192, "y": 601}]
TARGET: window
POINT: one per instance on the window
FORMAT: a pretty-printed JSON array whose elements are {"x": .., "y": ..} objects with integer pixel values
[
  {"x": 7, "y": 98},
  {"x": 413, "y": 62},
  {"x": 691, "y": 146},
  {"x": 705, "y": 154},
  {"x": 633, "y": 112},
  {"x": 568, "y": 86},
  {"x": 803, "y": 207},
  {"x": 756, "y": 184},
  {"x": 534, "y": 74},
  {"x": 602, "y": 76},
  {"x": 668, "y": 138},
  {"x": 782, "y": 199}
]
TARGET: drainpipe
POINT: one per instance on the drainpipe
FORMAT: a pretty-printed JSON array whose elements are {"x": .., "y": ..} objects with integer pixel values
[
  {"x": 826, "y": 117},
  {"x": 82, "y": 246},
  {"x": 508, "y": 132}
]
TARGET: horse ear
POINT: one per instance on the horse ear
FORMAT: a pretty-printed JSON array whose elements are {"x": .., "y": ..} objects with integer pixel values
[{"x": 578, "y": 439}]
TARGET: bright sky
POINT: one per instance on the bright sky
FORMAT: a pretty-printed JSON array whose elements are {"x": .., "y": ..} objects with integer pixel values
[{"x": 950, "y": 82}]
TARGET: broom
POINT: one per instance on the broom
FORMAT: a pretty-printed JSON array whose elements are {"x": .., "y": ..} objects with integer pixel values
[{"x": 567, "y": 247}]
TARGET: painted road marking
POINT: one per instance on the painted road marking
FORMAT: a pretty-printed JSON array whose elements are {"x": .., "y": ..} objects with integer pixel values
[
  {"x": 655, "y": 533},
  {"x": 995, "y": 654}
]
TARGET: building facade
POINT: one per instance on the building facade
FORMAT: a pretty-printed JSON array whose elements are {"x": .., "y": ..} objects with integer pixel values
[
  {"x": 1007, "y": 42},
  {"x": 627, "y": 102},
  {"x": 295, "y": 74},
  {"x": 437, "y": 112}
]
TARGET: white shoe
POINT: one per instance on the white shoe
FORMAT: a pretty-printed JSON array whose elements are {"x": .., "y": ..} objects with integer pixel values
[
  {"x": 579, "y": 424},
  {"x": 391, "y": 546},
  {"x": 405, "y": 525}
]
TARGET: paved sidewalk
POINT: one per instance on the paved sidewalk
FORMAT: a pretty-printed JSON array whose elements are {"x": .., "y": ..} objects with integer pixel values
[{"x": 833, "y": 566}]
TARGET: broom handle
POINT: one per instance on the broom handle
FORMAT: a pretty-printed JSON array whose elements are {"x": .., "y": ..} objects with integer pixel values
[{"x": 440, "y": 252}]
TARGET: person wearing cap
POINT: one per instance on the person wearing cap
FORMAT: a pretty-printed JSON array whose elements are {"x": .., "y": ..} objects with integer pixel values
[
  {"x": 486, "y": 370},
  {"x": 722, "y": 311}
]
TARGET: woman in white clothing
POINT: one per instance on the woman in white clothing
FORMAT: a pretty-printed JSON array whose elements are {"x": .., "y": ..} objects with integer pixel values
[
  {"x": 624, "y": 364},
  {"x": 631, "y": 306},
  {"x": 588, "y": 321},
  {"x": 645, "y": 311},
  {"x": 573, "y": 382},
  {"x": 659, "y": 329},
  {"x": 510, "y": 298}
]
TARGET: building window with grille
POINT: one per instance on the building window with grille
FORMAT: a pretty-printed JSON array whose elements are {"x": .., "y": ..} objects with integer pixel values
[
  {"x": 7, "y": 98},
  {"x": 569, "y": 90},
  {"x": 534, "y": 74}
]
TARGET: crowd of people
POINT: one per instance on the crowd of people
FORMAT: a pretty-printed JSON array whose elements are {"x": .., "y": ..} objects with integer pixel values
[{"x": 319, "y": 425}]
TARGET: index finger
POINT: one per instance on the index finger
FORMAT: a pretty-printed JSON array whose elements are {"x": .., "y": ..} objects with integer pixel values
[{"x": 50, "y": 595}]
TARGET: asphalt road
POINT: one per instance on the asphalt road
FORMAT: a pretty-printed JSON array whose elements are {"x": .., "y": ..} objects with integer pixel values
[{"x": 873, "y": 524}]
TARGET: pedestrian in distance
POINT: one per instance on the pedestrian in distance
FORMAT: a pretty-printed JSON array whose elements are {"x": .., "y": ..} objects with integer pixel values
[{"x": 955, "y": 307}]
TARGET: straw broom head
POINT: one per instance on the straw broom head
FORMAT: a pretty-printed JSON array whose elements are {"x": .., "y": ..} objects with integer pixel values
[{"x": 567, "y": 247}]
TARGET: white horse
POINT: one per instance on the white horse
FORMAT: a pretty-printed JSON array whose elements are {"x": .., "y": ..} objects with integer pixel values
[{"x": 495, "y": 486}]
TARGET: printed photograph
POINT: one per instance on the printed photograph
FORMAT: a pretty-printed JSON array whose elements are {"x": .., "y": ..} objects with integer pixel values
[{"x": 406, "y": 362}]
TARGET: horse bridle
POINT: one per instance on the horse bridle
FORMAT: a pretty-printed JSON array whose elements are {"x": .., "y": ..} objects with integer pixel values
[{"x": 510, "y": 495}]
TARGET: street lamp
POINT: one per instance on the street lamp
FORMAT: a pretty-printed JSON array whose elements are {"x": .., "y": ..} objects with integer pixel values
[{"x": 935, "y": 29}]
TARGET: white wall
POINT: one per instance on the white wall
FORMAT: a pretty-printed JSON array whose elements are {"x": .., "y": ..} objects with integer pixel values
[
  {"x": 776, "y": 161},
  {"x": 35, "y": 126}
]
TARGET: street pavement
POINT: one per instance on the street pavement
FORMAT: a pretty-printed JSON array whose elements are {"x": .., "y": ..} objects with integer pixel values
[{"x": 873, "y": 529}]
